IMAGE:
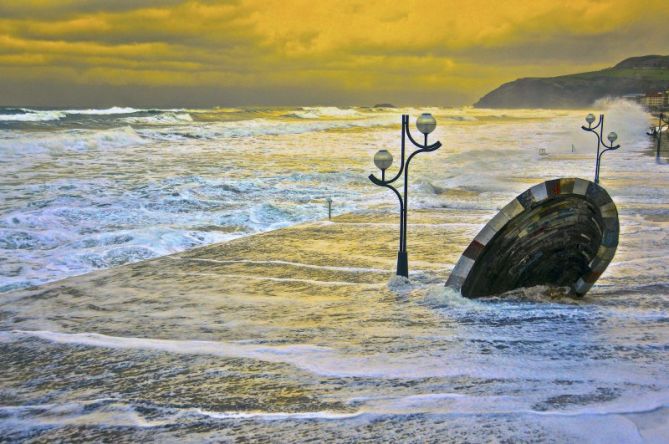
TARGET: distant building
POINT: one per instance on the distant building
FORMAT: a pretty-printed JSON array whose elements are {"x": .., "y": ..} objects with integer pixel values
[{"x": 655, "y": 100}]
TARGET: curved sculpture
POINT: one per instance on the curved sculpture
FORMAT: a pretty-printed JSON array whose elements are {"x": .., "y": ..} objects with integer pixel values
[{"x": 560, "y": 233}]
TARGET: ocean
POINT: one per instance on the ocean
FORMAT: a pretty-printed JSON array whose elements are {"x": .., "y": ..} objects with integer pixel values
[{"x": 95, "y": 189}]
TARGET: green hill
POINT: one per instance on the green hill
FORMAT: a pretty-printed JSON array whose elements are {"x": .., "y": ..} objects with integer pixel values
[{"x": 631, "y": 76}]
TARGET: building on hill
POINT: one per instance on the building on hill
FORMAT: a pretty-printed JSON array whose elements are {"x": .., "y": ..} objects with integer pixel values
[{"x": 656, "y": 100}]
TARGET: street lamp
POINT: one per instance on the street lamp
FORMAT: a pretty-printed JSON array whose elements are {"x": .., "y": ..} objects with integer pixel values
[
  {"x": 660, "y": 125},
  {"x": 383, "y": 160},
  {"x": 590, "y": 118}
]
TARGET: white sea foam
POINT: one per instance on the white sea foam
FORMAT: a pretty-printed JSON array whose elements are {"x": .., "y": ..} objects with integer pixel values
[
  {"x": 294, "y": 264},
  {"x": 358, "y": 425},
  {"x": 35, "y": 115},
  {"x": 270, "y": 353},
  {"x": 320, "y": 112},
  {"x": 257, "y": 127},
  {"x": 329, "y": 362},
  {"x": 399, "y": 284},
  {"x": 166, "y": 118},
  {"x": 317, "y": 359},
  {"x": 627, "y": 119},
  {"x": 65, "y": 140},
  {"x": 278, "y": 416},
  {"x": 441, "y": 296},
  {"x": 104, "y": 112},
  {"x": 32, "y": 116},
  {"x": 463, "y": 404},
  {"x": 287, "y": 280},
  {"x": 115, "y": 412},
  {"x": 631, "y": 426},
  {"x": 99, "y": 412},
  {"x": 82, "y": 225}
]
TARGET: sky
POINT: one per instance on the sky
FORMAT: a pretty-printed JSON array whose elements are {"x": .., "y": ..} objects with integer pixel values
[{"x": 200, "y": 53}]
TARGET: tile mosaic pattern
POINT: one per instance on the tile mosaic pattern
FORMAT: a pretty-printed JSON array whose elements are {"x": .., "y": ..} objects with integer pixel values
[{"x": 547, "y": 224}]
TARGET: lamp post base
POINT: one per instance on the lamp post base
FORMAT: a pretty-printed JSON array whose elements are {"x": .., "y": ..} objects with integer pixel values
[{"x": 403, "y": 264}]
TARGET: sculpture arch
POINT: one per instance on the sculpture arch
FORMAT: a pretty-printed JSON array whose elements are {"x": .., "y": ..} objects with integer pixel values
[{"x": 561, "y": 233}]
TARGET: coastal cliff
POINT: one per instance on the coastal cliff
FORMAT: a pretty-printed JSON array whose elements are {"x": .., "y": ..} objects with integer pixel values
[{"x": 631, "y": 76}]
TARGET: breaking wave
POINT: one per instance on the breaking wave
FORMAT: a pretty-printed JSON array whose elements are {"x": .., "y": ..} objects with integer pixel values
[
  {"x": 324, "y": 111},
  {"x": 35, "y": 115},
  {"x": 26, "y": 115},
  {"x": 256, "y": 127},
  {"x": 160, "y": 119},
  {"x": 78, "y": 140},
  {"x": 105, "y": 112}
]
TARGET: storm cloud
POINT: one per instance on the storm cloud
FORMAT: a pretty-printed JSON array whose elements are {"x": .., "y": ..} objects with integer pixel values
[{"x": 348, "y": 52}]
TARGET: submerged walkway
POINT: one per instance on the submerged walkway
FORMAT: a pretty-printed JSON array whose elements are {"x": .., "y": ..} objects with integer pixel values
[{"x": 336, "y": 260}]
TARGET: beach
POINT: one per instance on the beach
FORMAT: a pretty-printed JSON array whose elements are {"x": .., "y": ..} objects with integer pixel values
[{"x": 191, "y": 288}]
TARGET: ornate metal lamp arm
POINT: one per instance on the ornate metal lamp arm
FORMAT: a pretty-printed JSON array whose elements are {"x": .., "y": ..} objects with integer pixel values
[
  {"x": 608, "y": 148},
  {"x": 421, "y": 149},
  {"x": 385, "y": 184}
]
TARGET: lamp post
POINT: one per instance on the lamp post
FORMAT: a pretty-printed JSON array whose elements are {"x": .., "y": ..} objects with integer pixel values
[
  {"x": 590, "y": 118},
  {"x": 660, "y": 124},
  {"x": 383, "y": 160},
  {"x": 329, "y": 201}
]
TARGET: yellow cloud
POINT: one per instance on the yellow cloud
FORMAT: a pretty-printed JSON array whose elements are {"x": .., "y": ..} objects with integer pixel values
[{"x": 345, "y": 46}]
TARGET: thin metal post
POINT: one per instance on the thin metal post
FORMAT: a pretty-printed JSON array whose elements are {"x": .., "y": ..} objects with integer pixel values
[
  {"x": 599, "y": 145},
  {"x": 659, "y": 135},
  {"x": 403, "y": 208}
]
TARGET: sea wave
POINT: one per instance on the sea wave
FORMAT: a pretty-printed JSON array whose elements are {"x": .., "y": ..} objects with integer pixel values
[
  {"x": 37, "y": 115},
  {"x": 105, "y": 111},
  {"x": 27, "y": 115},
  {"x": 37, "y": 142},
  {"x": 165, "y": 118},
  {"x": 319, "y": 112},
  {"x": 91, "y": 223},
  {"x": 256, "y": 127}
]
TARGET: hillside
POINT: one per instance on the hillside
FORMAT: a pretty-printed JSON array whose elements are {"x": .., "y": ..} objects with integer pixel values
[{"x": 633, "y": 75}]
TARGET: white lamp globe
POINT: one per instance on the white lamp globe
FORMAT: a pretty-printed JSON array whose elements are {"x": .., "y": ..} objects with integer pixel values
[
  {"x": 383, "y": 159},
  {"x": 426, "y": 123}
]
